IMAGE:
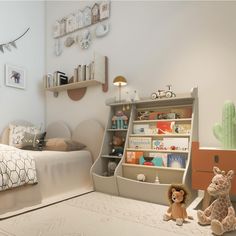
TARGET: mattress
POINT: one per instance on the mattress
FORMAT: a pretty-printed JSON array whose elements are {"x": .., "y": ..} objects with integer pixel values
[{"x": 61, "y": 175}]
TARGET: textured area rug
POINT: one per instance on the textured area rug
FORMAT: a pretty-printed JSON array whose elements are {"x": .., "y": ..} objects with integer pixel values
[{"x": 97, "y": 214}]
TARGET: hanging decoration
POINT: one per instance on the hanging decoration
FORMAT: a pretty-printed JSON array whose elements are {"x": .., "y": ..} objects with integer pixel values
[{"x": 8, "y": 46}]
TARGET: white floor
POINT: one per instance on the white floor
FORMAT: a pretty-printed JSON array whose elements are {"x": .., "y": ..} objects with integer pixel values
[{"x": 97, "y": 214}]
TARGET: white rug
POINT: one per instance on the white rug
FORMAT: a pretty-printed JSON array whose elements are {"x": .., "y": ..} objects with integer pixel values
[{"x": 97, "y": 214}]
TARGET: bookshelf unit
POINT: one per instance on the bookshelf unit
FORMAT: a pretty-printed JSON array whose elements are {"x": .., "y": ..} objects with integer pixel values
[
  {"x": 102, "y": 181},
  {"x": 184, "y": 107},
  {"x": 124, "y": 181}
]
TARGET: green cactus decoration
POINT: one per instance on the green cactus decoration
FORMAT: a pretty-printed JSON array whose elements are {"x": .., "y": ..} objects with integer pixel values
[{"x": 226, "y": 132}]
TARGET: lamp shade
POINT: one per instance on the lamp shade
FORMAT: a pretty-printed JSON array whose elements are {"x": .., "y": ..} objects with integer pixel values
[{"x": 119, "y": 81}]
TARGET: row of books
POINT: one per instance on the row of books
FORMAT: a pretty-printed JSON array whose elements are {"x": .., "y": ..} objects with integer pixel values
[
  {"x": 162, "y": 127},
  {"x": 167, "y": 143},
  {"x": 172, "y": 160},
  {"x": 84, "y": 72},
  {"x": 173, "y": 113},
  {"x": 56, "y": 79}
]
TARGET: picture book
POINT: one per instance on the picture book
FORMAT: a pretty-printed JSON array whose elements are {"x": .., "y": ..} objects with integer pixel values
[
  {"x": 182, "y": 128},
  {"x": 133, "y": 157},
  {"x": 183, "y": 112},
  {"x": 159, "y": 157},
  {"x": 176, "y": 160},
  {"x": 158, "y": 144},
  {"x": 140, "y": 128},
  {"x": 140, "y": 142},
  {"x": 175, "y": 143},
  {"x": 165, "y": 127}
]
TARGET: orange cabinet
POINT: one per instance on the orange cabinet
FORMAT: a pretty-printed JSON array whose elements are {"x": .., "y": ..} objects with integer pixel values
[{"x": 203, "y": 160}]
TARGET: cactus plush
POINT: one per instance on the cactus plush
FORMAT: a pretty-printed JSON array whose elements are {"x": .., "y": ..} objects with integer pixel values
[{"x": 226, "y": 132}]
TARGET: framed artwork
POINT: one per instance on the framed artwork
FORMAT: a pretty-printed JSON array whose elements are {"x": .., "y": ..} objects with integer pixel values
[{"x": 15, "y": 76}]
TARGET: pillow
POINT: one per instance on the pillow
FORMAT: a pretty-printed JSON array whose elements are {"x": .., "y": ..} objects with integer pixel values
[
  {"x": 62, "y": 144},
  {"x": 17, "y": 132},
  {"x": 33, "y": 141}
]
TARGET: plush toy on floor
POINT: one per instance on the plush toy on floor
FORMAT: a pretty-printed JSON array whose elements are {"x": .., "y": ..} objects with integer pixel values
[
  {"x": 220, "y": 214},
  {"x": 177, "y": 195}
]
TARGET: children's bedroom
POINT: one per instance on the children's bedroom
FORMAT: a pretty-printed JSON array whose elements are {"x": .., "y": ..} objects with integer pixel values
[{"x": 117, "y": 118}]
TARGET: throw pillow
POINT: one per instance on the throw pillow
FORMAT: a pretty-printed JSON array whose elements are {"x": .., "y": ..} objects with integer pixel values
[
  {"x": 61, "y": 144},
  {"x": 17, "y": 132},
  {"x": 33, "y": 141}
]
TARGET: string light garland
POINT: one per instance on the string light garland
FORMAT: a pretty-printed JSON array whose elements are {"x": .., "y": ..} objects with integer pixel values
[{"x": 12, "y": 43}]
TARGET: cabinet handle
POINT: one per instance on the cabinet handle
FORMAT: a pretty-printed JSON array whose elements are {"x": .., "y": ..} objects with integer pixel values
[{"x": 216, "y": 158}]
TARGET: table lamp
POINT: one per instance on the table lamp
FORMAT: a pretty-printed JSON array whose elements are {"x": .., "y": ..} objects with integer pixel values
[{"x": 119, "y": 81}]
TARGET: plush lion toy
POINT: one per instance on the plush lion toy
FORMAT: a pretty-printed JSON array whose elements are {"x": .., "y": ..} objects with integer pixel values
[{"x": 177, "y": 195}]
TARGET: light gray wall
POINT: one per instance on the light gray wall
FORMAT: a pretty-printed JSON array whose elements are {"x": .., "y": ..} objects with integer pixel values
[
  {"x": 15, "y": 18},
  {"x": 153, "y": 44}
]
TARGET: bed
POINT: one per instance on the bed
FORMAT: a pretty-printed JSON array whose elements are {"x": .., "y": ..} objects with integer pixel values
[{"x": 61, "y": 175}]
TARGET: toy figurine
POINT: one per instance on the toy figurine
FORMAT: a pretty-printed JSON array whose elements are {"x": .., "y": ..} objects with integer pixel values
[
  {"x": 141, "y": 177},
  {"x": 177, "y": 195},
  {"x": 117, "y": 146},
  {"x": 120, "y": 121},
  {"x": 220, "y": 214}
]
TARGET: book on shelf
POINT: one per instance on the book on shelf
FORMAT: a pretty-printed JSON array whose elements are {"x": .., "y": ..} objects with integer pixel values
[
  {"x": 133, "y": 157},
  {"x": 182, "y": 128},
  {"x": 170, "y": 143},
  {"x": 156, "y": 115},
  {"x": 183, "y": 112},
  {"x": 175, "y": 160},
  {"x": 140, "y": 142},
  {"x": 140, "y": 128},
  {"x": 75, "y": 76},
  {"x": 154, "y": 159},
  {"x": 158, "y": 144},
  {"x": 165, "y": 127},
  {"x": 79, "y": 73}
]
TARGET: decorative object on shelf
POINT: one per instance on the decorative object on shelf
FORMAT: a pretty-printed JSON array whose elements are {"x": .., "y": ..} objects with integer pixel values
[
  {"x": 95, "y": 13},
  {"x": 226, "y": 131},
  {"x": 87, "y": 16},
  {"x": 57, "y": 47},
  {"x": 177, "y": 195},
  {"x": 120, "y": 81},
  {"x": 10, "y": 44},
  {"x": 15, "y": 76},
  {"x": 120, "y": 120},
  {"x": 117, "y": 146},
  {"x": 85, "y": 40},
  {"x": 220, "y": 214},
  {"x": 163, "y": 93},
  {"x": 157, "y": 181},
  {"x": 141, "y": 177},
  {"x": 69, "y": 42},
  {"x": 104, "y": 10},
  {"x": 102, "y": 29},
  {"x": 111, "y": 167},
  {"x": 71, "y": 23},
  {"x": 79, "y": 19}
]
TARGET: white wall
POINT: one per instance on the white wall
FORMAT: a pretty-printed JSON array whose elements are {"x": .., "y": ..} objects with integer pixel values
[
  {"x": 15, "y": 18},
  {"x": 152, "y": 44}
]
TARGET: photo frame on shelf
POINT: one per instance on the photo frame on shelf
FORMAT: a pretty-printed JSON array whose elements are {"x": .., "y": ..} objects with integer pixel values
[{"x": 15, "y": 76}]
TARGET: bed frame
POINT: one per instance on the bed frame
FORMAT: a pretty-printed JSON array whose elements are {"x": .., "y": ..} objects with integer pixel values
[{"x": 20, "y": 200}]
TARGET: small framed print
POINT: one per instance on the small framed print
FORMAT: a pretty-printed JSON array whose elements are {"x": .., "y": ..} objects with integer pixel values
[{"x": 15, "y": 76}]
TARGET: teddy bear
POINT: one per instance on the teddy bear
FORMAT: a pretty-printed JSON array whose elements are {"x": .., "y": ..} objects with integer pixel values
[
  {"x": 177, "y": 195},
  {"x": 220, "y": 214}
]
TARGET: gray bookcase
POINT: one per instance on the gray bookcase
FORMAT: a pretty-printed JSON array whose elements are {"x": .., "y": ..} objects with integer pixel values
[{"x": 182, "y": 112}]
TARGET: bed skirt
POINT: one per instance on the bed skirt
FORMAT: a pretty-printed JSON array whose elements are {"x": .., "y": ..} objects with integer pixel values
[{"x": 61, "y": 175}]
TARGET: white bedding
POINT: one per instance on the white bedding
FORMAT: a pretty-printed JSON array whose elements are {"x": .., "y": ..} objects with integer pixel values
[{"x": 58, "y": 173}]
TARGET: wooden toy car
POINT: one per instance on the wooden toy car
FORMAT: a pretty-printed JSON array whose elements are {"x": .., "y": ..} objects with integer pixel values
[{"x": 164, "y": 93}]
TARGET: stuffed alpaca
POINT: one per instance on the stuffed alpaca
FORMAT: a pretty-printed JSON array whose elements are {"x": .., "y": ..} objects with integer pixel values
[
  {"x": 177, "y": 195},
  {"x": 220, "y": 214}
]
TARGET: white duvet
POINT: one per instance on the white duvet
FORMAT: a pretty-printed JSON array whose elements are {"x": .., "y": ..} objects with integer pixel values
[{"x": 17, "y": 167}]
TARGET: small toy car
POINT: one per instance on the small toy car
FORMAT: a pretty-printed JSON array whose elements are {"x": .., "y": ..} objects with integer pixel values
[{"x": 164, "y": 93}]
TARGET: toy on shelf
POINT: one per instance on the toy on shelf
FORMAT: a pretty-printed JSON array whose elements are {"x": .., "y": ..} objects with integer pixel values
[
  {"x": 141, "y": 177},
  {"x": 220, "y": 214},
  {"x": 111, "y": 166},
  {"x": 117, "y": 146},
  {"x": 177, "y": 195},
  {"x": 119, "y": 121},
  {"x": 226, "y": 131},
  {"x": 164, "y": 93}
]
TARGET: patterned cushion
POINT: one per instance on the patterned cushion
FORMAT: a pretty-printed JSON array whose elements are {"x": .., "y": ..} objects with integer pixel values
[
  {"x": 33, "y": 141},
  {"x": 17, "y": 134}
]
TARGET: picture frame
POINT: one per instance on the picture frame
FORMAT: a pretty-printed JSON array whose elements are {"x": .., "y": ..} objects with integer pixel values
[{"x": 15, "y": 76}]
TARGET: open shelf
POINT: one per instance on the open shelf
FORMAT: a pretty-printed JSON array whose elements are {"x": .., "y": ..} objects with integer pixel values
[
  {"x": 110, "y": 156},
  {"x": 164, "y": 120},
  {"x": 81, "y": 84},
  {"x": 159, "y": 135},
  {"x": 117, "y": 130},
  {"x": 156, "y": 150}
]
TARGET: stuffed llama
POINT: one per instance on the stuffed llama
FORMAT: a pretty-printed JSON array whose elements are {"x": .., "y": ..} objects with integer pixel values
[{"x": 220, "y": 214}]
